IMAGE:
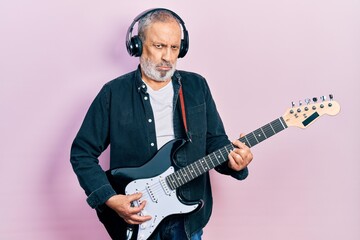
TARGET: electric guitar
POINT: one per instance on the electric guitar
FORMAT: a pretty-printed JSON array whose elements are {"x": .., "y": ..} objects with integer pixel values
[{"x": 159, "y": 179}]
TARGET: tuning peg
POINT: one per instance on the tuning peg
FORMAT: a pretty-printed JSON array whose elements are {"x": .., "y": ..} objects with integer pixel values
[
  {"x": 331, "y": 98},
  {"x": 323, "y": 98},
  {"x": 292, "y": 104},
  {"x": 315, "y": 99},
  {"x": 300, "y": 103},
  {"x": 307, "y": 101}
]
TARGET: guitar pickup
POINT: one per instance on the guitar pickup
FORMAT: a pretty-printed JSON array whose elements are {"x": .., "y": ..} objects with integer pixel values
[
  {"x": 165, "y": 187},
  {"x": 151, "y": 193}
]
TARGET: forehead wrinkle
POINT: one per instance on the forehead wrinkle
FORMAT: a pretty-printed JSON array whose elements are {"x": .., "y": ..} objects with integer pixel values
[{"x": 168, "y": 33}]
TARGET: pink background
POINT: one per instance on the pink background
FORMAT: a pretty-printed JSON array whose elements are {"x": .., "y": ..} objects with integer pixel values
[{"x": 257, "y": 56}]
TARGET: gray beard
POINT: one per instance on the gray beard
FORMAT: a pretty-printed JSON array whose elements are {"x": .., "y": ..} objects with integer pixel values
[{"x": 149, "y": 69}]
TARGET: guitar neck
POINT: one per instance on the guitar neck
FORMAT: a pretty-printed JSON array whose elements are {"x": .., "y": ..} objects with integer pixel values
[
  {"x": 214, "y": 159},
  {"x": 264, "y": 132}
]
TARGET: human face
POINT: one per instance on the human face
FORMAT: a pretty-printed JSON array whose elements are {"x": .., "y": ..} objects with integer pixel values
[{"x": 160, "y": 51}]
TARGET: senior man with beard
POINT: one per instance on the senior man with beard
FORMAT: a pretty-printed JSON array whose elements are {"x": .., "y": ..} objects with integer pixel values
[{"x": 138, "y": 113}]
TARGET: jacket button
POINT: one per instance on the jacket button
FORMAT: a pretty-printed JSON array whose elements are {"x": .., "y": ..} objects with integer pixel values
[
  {"x": 152, "y": 144},
  {"x": 150, "y": 120}
]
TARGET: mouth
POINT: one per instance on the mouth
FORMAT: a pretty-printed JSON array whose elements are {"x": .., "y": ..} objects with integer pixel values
[{"x": 164, "y": 67}]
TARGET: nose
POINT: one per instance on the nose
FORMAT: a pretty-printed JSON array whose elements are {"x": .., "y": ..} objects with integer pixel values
[{"x": 166, "y": 55}]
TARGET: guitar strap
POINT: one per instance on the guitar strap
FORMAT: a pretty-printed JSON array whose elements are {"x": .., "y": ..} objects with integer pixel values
[{"x": 183, "y": 112}]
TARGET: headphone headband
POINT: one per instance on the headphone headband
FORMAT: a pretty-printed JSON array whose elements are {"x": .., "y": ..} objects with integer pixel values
[{"x": 134, "y": 44}]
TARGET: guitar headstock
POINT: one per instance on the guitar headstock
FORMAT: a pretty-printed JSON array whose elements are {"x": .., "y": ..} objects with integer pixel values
[{"x": 303, "y": 115}]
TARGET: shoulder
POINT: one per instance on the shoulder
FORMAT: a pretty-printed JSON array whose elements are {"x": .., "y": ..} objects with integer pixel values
[
  {"x": 122, "y": 80},
  {"x": 192, "y": 79},
  {"x": 190, "y": 75}
]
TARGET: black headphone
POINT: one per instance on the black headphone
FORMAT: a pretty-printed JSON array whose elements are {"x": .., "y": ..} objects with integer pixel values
[{"x": 134, "y": 44}]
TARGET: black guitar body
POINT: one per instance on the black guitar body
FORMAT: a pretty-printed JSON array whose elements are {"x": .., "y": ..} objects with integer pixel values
[{"x": 142, "y": 179}]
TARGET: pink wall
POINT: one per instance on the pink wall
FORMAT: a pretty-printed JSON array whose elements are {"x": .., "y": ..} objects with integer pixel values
[{"x": 258, "y": 56}]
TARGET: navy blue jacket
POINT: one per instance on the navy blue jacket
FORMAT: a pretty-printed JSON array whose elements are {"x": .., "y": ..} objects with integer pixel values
[{"x": 121, "y": 116}]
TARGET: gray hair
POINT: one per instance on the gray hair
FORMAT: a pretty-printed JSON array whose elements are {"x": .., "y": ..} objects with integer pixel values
[{"x": 152, "y": 17}]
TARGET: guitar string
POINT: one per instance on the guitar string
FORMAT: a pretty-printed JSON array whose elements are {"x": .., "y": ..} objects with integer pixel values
[
  {"x": 180, "y": 178},
  {"x": 208, "y": 162},
  {"x": 157, "y": 188}
]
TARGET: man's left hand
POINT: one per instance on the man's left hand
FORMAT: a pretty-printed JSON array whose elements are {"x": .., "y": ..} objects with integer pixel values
[{"x": 240, "y": 157}]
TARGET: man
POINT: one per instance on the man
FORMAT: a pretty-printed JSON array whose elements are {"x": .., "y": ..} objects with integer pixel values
[{"x": 141, "y": 111}]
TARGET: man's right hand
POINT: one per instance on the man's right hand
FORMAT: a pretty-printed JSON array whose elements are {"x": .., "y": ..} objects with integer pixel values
[{"x": 121, "y": 204}]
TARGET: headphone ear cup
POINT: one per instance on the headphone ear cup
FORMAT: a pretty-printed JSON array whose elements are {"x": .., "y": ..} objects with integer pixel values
[
  {"x": 183, "y": 48},
  {"x": 135, "y": 46}
]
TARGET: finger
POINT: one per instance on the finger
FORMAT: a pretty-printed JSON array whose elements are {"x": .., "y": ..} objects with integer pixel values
[
  {"x": 137, "y": 216},
  {"x": 231, "y": 162},
  {"x": 234, "y": 161},
  {"x": 136, "y": 219},
  {"x": 134, "y": 200},
  {"x": 243, "y": 153},
  {"x": 235, "y": 154},
  {"x": 137, "y": 209},
  {"x": 134, "y": 196},
  {"x": 239, "y": 144}
]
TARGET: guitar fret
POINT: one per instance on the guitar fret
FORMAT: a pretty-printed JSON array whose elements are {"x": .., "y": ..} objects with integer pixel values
[
  {"x": 274, "y": 125},
  {"x": 184, "y": 175},
  {"x": 263, "y": 132},
  {"x": 216, "y": 158},
  {"x": 231, "y": 148},
  {"x": 272, "y": 128},
  {"x": 203, "y": 169},
  {"x": 224, "y": 153},
  {"x": 281, "y": 120},
  {"x": 191, "y": 171},
  {"x": 192, "y": 166},
  {"x": 177, "y": 178},
  {"x": 206, "y": 167},
  {"x": 255, "y": 137},
  {"x": 188, "y": 174},
  {"x": 277, "y": 125},
  {"x": 173, "y": 179},
  {"x": 269, "y": 130},
  {"x": 196, "y": 164},
  {"x": 259, "y": 135},
  {"x": 169, "y": 182},
  {"x": 252, "y": 140},
  {"x": 221, "y": 155},
  {"x": 247, "y": 141},
  {"x": 211, "y": 161}
]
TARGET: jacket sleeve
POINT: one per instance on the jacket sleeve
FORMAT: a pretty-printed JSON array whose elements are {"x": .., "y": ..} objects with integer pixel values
[
  {"x": 91, "y": 140},
  {"x": 216, "y": 137}
]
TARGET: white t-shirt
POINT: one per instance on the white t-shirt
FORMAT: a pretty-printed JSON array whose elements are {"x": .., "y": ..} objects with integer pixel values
[{"x": 162, "y": 104}]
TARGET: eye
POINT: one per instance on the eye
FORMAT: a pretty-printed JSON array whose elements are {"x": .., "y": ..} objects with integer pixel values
[
  {"x": 174, "y": 47},
  {"x": 159, "y": 46}
]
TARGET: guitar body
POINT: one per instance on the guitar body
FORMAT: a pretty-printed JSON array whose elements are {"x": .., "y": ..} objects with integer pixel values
[{"x": 161, "y": 201}]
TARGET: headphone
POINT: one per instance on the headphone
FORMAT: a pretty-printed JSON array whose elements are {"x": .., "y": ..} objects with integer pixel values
[{"x": 134, "y": 44}]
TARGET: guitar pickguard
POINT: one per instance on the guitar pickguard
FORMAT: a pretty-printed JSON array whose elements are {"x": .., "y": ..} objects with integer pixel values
[{"x": 161, "y": 201}]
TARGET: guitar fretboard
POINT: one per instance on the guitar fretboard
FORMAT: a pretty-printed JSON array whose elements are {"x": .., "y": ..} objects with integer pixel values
[{"x": 214, "y": 159}]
